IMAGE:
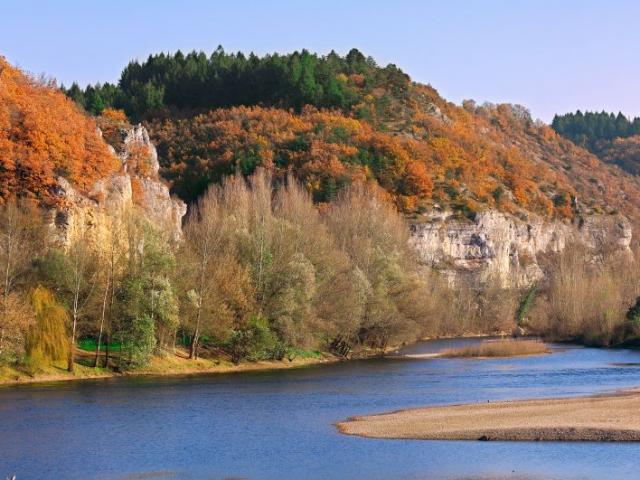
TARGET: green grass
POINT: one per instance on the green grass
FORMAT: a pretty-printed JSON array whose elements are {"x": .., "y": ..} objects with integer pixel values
[
  {"x": 293, "y": 352},
  {"x": 90, "y": 345}
]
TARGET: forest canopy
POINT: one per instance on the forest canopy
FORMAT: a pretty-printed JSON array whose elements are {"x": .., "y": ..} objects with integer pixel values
[
  {"x": 613, "y": 138},
  {"x": 589, "y": 128},
  {"x": 178, "y": 83}
]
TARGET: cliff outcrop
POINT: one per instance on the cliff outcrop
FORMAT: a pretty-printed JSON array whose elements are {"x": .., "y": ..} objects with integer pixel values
[
  {"x": 136, "y": 185},
  {"x": 501, "y": 248}
]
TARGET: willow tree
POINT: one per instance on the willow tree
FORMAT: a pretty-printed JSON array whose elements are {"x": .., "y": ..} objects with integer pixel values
[{"x": 47, "y": 339}]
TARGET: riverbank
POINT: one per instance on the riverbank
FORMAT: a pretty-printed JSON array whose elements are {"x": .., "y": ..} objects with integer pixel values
[
  {"x": 602, "y": 418},
  {"x": 168, "y": 365}
]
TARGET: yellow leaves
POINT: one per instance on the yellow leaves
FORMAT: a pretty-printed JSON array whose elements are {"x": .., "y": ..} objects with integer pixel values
[
  {"x": 47, "y": 340},
  {"x": 342, "y": 78}
]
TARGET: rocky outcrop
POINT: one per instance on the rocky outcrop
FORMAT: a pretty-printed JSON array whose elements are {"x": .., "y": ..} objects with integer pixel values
[
  {"x": 136, "y": 185},
  {"x": 501, "y": 248}
]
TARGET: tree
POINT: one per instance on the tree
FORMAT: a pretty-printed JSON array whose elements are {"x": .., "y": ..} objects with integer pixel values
[
  {"x": 43, "y": 136},
  {"x": 71, "y": 272},
  {"x": 109, "y": 266},
  {"x": 143, "y": 297},
  {"x": 21, "y": 240},
  {"x": 82, "y": 260},
  {"x": 204, "y": 236},
  {"x": 47, "y": 340},
  {"x": 375, "y": 238}
]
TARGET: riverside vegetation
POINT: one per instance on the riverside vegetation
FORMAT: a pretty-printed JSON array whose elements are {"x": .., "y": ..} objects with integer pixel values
[
  {"x": 262, "y": 273},
  {"x": 296, "y": 241}
]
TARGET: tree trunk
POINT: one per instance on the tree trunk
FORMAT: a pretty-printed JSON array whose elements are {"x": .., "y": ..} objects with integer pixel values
[
  {"x": 120, "y": 351},
  {"x": 106, "y": 350},
  {"x": 104, "y": 311},
  {"x": 175, "y": 339},
  {"x": 193, "y": 348},
  {"x": 72, "y": 346}
]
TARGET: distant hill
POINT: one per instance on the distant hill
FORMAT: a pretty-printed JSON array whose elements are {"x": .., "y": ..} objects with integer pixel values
[
  {"x": 613, "y": 138},
  {"x": 333, "y": 120}
]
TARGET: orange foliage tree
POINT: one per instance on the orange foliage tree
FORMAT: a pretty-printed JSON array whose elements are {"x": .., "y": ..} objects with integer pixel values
[{"x": 43, "y": 135}]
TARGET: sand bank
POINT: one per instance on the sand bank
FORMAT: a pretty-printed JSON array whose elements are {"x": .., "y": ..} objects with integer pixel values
[{"x": 604, "y": 418}]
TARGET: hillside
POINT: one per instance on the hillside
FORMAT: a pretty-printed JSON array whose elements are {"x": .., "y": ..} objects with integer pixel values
[
  {"x": 613, "y": 138},
  {"x": 81, "y": 169},
  {"x": 44, "y": 135},
  {"x": 334, "y": 120}
]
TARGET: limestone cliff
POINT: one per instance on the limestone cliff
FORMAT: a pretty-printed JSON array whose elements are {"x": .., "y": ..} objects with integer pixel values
[
  {"x": 137, "y": 184},
  {"x": 499, "y": 247}
]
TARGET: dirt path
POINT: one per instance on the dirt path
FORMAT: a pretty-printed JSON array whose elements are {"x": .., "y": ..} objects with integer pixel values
[{"x": 610, "y": 418}]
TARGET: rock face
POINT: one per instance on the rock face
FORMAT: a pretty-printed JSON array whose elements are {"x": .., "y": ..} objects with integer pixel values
[
  {"x": 500, "y": 248},
  {"x": 136, "y": 185}
]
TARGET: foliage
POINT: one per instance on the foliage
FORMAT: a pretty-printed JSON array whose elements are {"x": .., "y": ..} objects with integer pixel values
[
  {"x": 589, "y": 128},
  {"x": 256, "y": 341},
  {"x": 137, "y": 329},
  {"x": 195, "y": 82},
  {"x": 270, "y": 273},
  {"x": 613, "y": 138},
  {"x": 47, "y": 340},
  {"x": 328, "y": 151},
  {"x": 588, "y": 298},
  {"x": 218, "y": 114},
  {"x": 633, "y": 314},
  {"x": 624, "y": 152},
  {"x": 146, "y": 304},
  {"x": 525, "y": 304},
  {"x": 22, "y": 239},
  {"x": 43, "y": 135}
]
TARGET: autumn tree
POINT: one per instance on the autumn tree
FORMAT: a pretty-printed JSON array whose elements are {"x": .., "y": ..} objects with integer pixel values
[
  {"x": 375, "y": 237},
  {"x": 47, "y": 340},
  {"x": 43, "y": 136},
  {"x": 22, "y": 238}
]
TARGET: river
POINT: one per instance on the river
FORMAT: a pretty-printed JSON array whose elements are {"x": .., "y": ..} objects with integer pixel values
[{"x": 280, "y": 424}]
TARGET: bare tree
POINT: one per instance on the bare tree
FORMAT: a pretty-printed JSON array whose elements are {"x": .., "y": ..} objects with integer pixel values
[
  {"x": 82, "y": 260},
  {"x": 203, "y": 240},
  {"x": 22, "y": 237}
]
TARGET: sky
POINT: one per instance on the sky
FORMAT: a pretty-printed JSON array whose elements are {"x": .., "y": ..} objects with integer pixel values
[{"x": 551, "y": 56}]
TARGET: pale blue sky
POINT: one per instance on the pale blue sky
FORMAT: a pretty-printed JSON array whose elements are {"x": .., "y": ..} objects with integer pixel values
[{"x": 552, "y": 56}]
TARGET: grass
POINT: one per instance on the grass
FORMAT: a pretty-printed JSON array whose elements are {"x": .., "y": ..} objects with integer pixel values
[
  {"x": 293, "y": 352},
  {"x": 499, "y": 348},
  {"x": 90, "y": 344},
  {"x": 169, "y": 363}
]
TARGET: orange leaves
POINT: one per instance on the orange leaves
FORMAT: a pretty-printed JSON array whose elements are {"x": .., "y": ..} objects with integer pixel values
[
  {"x": 468, "y": 159},
  {"x": 115, "y": 115},
  {"x": 137, "y": 192},
  {"x": 43, "y": 135},
  {"x": 139, "y": 161},
  {"x": 417, "y": 180}
]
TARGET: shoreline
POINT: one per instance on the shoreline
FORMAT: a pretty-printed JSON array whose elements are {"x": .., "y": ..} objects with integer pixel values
[
  {"x": 607, "y": 417},
  {"x": 175, "y": 365},
  {"x": 197, "y": 367},
  {"x": 182, "y": 366}
]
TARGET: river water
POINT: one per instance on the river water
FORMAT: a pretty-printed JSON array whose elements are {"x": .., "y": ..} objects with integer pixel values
[{"x": 280, "y": 424}]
